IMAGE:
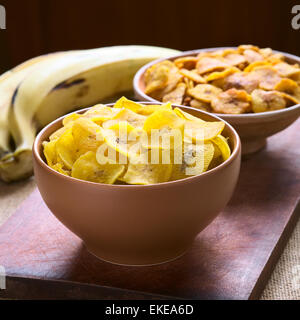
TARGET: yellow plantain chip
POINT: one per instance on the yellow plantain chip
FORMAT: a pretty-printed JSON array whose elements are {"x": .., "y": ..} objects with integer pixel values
[
  {"x": 163, "y": 119},
  {"x": 221, "y": 74},
  {"x": 290, "y": 99},
  {"x": 55, "y": 135},
  {"x": 263, "y": 101},
  {"x": 156, "y": 77},
  {"x": 223, "y": 146},
  {"x": 59, "y": 168},
  {"x": 241, "y": 80},
  {"x": 148, "y": 173},
  {"x": 207, "y": 64},
  {"x": 192, "y": 75},
  {"x": 205, "y": 106},
  {"x": 252, "y": 55},
  {"x": 289, "y": 87},
  {"x": 70, "y": 118},
  {"x": 188, "y": 63},
  {"x": 87, "y": 135},
  {"x": 100, "y": 113},
  {"x": 255, "y": 64},
  {"x": 146, "y": 110},
  {"x": 287, "y": 70},
  {"x": 66, "y": 148},
  {"x": 128, "y": 104},
  {"x": 241, "y": 48},
  {"x": 195, "y": 160},
  {"x": 50, "y": 152},
  {"x": 197, "y": 131},
  {"x": 134, "y": 119},
  {"x": 88, "y": 168},
  {"x": 232, "y": 101},
  {"x": 204, "y": 92},
  {"x": 121, "y": 137},
  {"x": 268, "y": 77},
  {"x": 186, "y": 116},
  {"x": 176, "y": 96},
  {"x": 233, "y": 58},
  {"x": 266, "y": 52}
]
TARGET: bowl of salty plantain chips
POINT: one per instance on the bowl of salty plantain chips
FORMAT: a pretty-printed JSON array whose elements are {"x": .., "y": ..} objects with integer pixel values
[
  {"x": 137, "y": 181},
  {"x": 256, "y": 90}
]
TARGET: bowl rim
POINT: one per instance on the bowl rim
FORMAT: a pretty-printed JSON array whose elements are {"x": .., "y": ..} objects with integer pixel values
[
  {"x": 142, "y": 70},
  {"x": 37, "y": 154}
]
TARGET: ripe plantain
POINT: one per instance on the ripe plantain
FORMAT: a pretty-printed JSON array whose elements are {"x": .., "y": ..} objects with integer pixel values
[{"x": 58, "y": 86}]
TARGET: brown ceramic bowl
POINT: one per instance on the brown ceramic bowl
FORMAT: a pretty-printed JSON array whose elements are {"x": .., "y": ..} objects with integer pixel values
[
  {"x": 136, "y": 224},
  {"x": 253, "y": 128}
]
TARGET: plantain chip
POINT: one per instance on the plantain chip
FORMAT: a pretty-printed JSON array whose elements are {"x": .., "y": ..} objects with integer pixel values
[
  {"x": 60, "y": 168},
  {"x": 205, "y": 106},
  {"x": 195, "y": 160},
  {"x": 268, "y": 77},
  {"x": 86, "y": 167},
  {"x": 287, "y": 70},
  {"x": 196, "y": 130},
  {"x": 232, "y": 101},
  {"x": 146, "y": 110},
  {"x": 204, "y": 92},
  {"x": 263, "y": 101},
  {"x": 134, "y": 119},
  {"x": 128, "y": 104},
  {"x": 252, "y": 56},
  {"x": 156, "y": 77},
  {"x": 233, "y": 58},
  {"x": 223, "y": 146},
  {"x": 176, "y": 96},
  {"x": 65, "y": 148},
  {"x": 186, "y": 116},
  {"x": 221, "y": 74},
  {"x": 192, "y": 75},
  {"x": 70, "y": 118},
  {"x": 241, "y": 80},
  {"x": 100, "y": 113},
  {"x": 255, "y": 64},
  {"x": 208, "y": 64},
  {"x": 145, "y": 174},
  {"x": 186, "y": 62},
  {"x": 50, "y": 152}
]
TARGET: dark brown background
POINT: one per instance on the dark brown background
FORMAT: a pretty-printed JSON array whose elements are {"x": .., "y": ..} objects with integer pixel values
[{"x": 39, "y": 26}]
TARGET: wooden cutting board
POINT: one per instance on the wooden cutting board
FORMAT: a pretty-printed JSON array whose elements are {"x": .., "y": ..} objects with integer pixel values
[{"x": 231, "y": 259}]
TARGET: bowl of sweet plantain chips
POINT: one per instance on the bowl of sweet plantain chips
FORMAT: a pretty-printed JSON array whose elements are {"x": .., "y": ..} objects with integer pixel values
[
  {"x": 137, "y": 181},
  {"x": 256, "y": 90}
]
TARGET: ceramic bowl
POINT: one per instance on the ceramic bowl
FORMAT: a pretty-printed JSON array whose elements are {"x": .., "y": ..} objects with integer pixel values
[
  {"x": 253, "y": 128},
  {"x": 138, "y": 224}
]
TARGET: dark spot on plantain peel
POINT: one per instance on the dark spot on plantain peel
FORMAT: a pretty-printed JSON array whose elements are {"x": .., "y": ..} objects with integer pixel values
[{"x": 66, "y": 84}]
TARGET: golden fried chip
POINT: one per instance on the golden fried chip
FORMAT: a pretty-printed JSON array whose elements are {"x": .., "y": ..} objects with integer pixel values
[
  {"x": 289, "y": 87},
  {"x": 221, "y": 74},
  {"x": 87, "y": 135},
  {"x": 134, "y": 119},
  {"x": 241, "y": 80},
  {"x": 241, "y": 48},
  {"x": 88, "y": 168},
  {"x": 232, "y": 101},
  {"x": 252, "y": 56},
  {"x": 192, "y": 75},
  {"x": 255, "y": 64},
  {"x": 205, "y": 106},
  {"x": 233, "y": 58},
  {"x": 156, "y": 77},
  {"x": 268, "y": 77},
  {"x": 176, "y": 96},
  {"x": 263, "y": 101},
  {"x": 128, "y": 104},
  {"x": 100, "y": 113},
  {"x": 186, "y": 62},
  {"x": 204, "y": 92},
  {"x": 161, "y": 119},
  {"x": 60, "y": 168},
  {"x": 202, "y": 130},
  {"x": 195, "y": 160},
  {"x": 223, "y": 146},
  {"x": 70, "y": 118},
  {"x": 145, "y": 174},
  {"x": 55, "y": 135},
  {"x": 186, "y": 116},
  {"x": 208, "y": 64},
  {"x": 50, "y": 152},
  {"x": 146, "y": 110},
  {"x": 65, "y": 148},
  {"x": 287, "y": 70}
]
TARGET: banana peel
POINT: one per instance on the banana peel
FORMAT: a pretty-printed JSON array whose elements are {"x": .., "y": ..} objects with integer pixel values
[{"x": 57, "y": 86}]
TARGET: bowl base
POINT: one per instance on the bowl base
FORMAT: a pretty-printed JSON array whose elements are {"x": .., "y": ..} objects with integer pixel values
[
  {"x": 137, "y": 261},
  {"x": 252, "y": 146}
]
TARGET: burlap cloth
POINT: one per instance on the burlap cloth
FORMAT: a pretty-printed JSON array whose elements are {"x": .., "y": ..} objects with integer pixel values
[{"x": 283, "y": 284}]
